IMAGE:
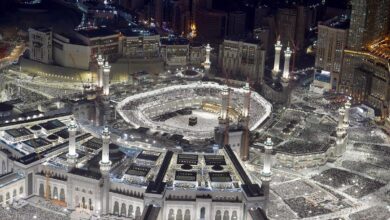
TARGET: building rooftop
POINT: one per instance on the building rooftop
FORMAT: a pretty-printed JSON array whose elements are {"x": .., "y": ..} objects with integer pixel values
[
  {"x": 18, "y": 132},
  {"x": 245, "y": 40},
  {"x": 174, "y": 41},
  {"x": 42, "y": 29},
  {"x": 215, "y": 160},
  {"x": 86, "y": 173},
  {"x": 157, "y": 186},
  {"x": 185, "y": 176},
  {"x": 191, "y": 159},
  {"x": 51, "y": 125},
  {"x": 136, "y": 170},
  {"x": 300, "y": 147},
  {"x": 149, "y": 155},
  {"x": 138, "y": 31},
  {"x": 37, "y": 142},
  {"x": 9, "y": 178},
  {"x": 339, "y": 22},
  {"x": 99, "y": 32},
  {"x": 220, "y": 177}
]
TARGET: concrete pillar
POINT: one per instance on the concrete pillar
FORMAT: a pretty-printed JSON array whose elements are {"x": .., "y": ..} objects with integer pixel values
[
  {"x": 106, "y": 79},
  {"x": 286, "y": 70},
  {"x": 100, "y": 62},
  {"x": 72, "y": 155},
  {"x": 278, "y": 48}
]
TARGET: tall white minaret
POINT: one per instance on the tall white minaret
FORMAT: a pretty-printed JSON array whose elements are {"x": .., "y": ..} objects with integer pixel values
[
  {"x": 341, "y": 118},
  {"x": 105, "y": 148},
  {"x": 72, "y": 155},
  {"x": 100, "y": 62},
  {"x": 245, "y": 110},
  {"x": 276, "y": 69},
  {"x": 340, "y": 134},
  {"x": 286, "y": 70},
  {"x": 244, "y": 147},
  {"x": 346, "y": 117},
  {"x": 106, "y": 79},
  {"x": 207, "y": 63},
  {"x": 268, "y": 145},
  {"x": 225, "y": 103},
  {"x": 105, "y": 167},
  {"x": 266, "y": 174}
]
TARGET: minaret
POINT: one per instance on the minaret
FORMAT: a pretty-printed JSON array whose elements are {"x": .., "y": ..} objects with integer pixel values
[
  {"x": 266, "y": 173},
  {"x": 346, "y": 117},
  {"x": 207, "y": 63},
  {"x": 222, "y": 131},
  {"x": 105, "y": 166},
  {"x": 105, "y": 149},
  {"x": 100, "y": 62},
  {"x": 224, "y": 103},
  {"x": 106, "y": 78},
  {"x": 341, "y": 118},
  {"x": 244, "y": 148},
  {"x": 286, "y": 70},
  {"x": 278, "y": 48},
  {"x": 340, "y": 134},
  {"x": 245, "y": 109},
  {"x": 72, "y": 155}
]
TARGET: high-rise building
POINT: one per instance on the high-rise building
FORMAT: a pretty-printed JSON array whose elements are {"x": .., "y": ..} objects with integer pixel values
[
  {"x": 158, "y": 12},
  {"x": 365, "y": 75},
  {"x": 212, "y": 24},
  {"x": 260, "y": 13},
  {"x": 369, "y": 21},
  {"x": 332, "y": 40},
  {"x": 242, "y": 59},
  {"x": 40, "y": 41},
  {"x": 132, "y": 4},
  {"x": 293, "y": 23},
  {"x": 236, "y": 23},
  {"x": 286, "y": 23}
]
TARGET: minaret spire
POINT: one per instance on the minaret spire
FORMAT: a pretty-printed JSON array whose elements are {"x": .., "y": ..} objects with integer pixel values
[
  {"x": 100, "y": 62},
  {"x": 72, "y": 155},
  {"x": 207, "y": 63},
  {"x": 266, "y": 174},
  {"x": 286, "y": 70},
  {"x": 105, "y": 167},
  {"x": 278, "y": 48},
  {"x": 106, "y": 79}
]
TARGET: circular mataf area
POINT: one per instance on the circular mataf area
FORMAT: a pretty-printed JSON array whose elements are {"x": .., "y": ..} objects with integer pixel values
[{"x": 168, "y": 109}]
